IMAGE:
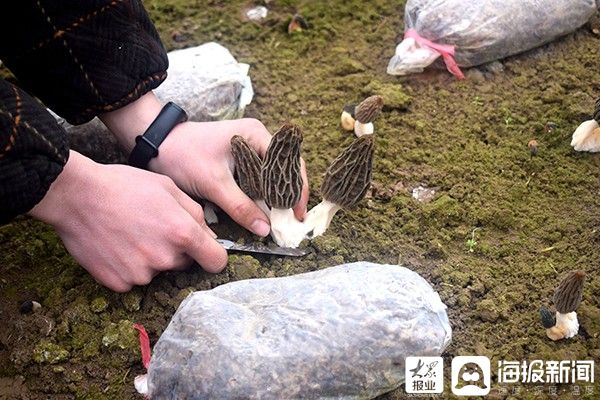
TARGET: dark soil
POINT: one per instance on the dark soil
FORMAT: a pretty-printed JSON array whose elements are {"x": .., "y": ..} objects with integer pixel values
[{"x": 500, "y": 231}]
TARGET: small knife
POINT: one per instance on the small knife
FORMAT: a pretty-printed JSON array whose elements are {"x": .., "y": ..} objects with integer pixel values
[{"x": 261, "y": 248}]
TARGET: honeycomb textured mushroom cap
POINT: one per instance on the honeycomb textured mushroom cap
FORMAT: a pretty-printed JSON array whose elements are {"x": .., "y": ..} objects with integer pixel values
[
  {"x": 348, "y": 178},
  {"x": 368, "y": 109},
  {"x": 569, "y": 292},
  {"x": 596, "y": 114},
  {"x": 247, "y": 167},
  {"x": 280, "y": 173}
]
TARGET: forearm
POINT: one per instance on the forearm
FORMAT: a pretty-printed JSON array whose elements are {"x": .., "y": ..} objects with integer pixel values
[{"x": 132, "y": 120}]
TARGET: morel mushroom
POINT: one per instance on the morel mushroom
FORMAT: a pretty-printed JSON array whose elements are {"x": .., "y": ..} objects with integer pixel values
[
  {"x": 587, "y": 135},
  {"x": 345, "y": 183},
  {"x": 282, "y": 185},
  {"x": 365, "y": 113},
  {"x": 247, "y": 171},
  {"x": 567, "y": 298},
  {"x": 347, "y": 118}
]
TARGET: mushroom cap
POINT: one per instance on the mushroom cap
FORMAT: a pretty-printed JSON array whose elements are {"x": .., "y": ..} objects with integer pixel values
[
  {"x": 247, "y": 167},
  {"x": 348, "y": 178},
  {"x": 569, "y": 292},
  {"x": 280, "y": 173},
  {"x": 368, "y": 109},
  {"x": 533, "y": 147},
  {"x": 350, "y": 108},
  {"x": 548, "y": 319},
  {"x": 596, "y": 114}
]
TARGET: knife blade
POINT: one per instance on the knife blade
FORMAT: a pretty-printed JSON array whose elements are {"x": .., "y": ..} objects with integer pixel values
[{"x": 261, "y": 248}]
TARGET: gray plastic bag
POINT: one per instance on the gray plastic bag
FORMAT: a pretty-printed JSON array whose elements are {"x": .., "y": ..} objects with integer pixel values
[
  {"x": 338, "y": 333},
  {"x": 469, "y": 33}
]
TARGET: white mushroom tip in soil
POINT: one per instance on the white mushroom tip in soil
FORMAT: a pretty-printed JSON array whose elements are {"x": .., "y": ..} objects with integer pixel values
[
  {"x": 587, "y": 137},
  {"x": 141, "y": 384},
  {"x": 361, "y": 129}
]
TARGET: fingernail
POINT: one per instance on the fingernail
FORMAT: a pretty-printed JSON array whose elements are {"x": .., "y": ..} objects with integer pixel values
[{"x": 260, "y": 227}]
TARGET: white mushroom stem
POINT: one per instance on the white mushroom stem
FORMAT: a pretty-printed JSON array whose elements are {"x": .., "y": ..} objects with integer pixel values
[
  {"x": 210, "y": 214},
  {"x": 319, "y": 217},
  {"x": 587, "y": 137},
  {"x": 566, "y": 326},
  {"x": 286, "y": 230},
  {"x": 363, "y": 129}
]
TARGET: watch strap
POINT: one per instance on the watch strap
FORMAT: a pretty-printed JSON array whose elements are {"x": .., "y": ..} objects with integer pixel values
[{"x": 146, "y": 145}]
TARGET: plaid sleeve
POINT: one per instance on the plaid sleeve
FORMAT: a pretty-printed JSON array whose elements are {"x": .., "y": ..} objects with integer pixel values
[
  {"x": 33, "y": 151},
  {"x": 82, "y": 58}
]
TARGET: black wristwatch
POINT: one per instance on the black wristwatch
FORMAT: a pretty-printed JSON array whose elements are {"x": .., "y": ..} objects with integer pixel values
[{"x": 146, "y": 145}]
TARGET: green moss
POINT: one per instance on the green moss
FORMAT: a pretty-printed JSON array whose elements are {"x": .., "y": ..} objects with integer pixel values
[
  {"x": 327, "y": 244},
  {"x": 589, "y": 318},
  {"x": 132, "y": 300},
  {"x": 49, "y": 353},
  {"x": 394, "y": 96},
  {"x": 120, "y": 336},
  {"x": 243, "y": 266},
  {"x": 444, "y": 210},
  {"x": 346, "y": 66},
  {"x": 99, "y": 304}
]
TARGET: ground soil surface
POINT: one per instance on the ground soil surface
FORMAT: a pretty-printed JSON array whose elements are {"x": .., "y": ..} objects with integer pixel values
[{"x": 501, "y": 229}]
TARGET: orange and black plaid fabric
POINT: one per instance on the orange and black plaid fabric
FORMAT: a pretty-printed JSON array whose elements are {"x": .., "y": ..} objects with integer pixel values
[{"x": 81, "y": 59}]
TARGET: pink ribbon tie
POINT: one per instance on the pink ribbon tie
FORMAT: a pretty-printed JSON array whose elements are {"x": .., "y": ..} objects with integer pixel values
[{"x": 445, "y": 50}]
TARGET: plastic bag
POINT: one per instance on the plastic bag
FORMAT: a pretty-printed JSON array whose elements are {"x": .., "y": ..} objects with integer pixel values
[
  {"x": 467, "y": 33},
  {"x": 205, "y": 80},
  {"x": 338, "y": 333}
]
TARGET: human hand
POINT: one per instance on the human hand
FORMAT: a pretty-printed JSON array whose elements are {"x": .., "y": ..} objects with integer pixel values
[
  {"x": 197, "y": 156},
  {"x": 125, "y": 225}
]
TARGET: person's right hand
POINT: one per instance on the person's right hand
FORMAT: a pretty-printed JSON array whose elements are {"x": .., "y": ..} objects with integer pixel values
[{"x": 124, "y": 225}]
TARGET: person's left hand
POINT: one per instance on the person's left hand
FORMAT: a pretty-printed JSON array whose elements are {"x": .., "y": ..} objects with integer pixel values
[{"x": 197, "y": 156}]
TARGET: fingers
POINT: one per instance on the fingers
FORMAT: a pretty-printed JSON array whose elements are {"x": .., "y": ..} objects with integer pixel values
[
  {"x": 300, "y": 208},
  {"x": 200, "y": 244},
  {"x": 256, "y": 134},
  {"x": 230, "y": 198},
  {"x": 207, "y": 252},
  {"x": 194, "y": 209}
]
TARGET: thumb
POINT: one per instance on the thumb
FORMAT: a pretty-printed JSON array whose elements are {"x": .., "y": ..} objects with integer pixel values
[{"x": 241, "y": 208}]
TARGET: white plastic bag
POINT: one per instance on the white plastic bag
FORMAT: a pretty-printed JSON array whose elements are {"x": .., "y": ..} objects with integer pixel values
[
  {"x": 467, "y": 33},
  {"x": 338, "y": 333},
  {"x": 207, "y": 82}
]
